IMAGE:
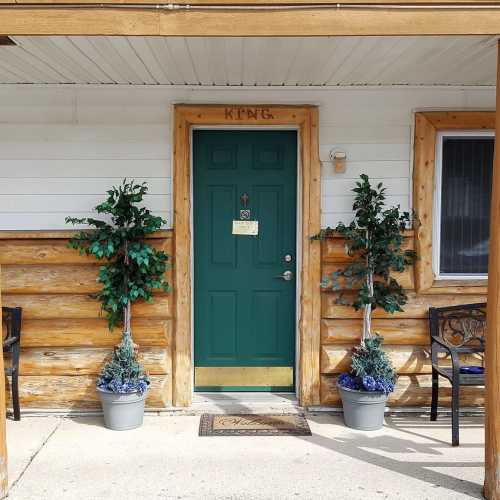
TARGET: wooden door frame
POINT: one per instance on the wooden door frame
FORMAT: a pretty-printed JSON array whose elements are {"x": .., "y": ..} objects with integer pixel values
[{"x": 305, "y": 120}]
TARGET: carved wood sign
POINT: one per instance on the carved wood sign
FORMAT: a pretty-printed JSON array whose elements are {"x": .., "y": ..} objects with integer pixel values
[{"x": 247, "y": 113}]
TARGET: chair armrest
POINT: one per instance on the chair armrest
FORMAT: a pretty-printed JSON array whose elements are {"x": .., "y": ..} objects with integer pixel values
[
  {"x": 455, "y": 360},
  {"x": 442, "y": 344},
  {"x": 11, "y": 341}
]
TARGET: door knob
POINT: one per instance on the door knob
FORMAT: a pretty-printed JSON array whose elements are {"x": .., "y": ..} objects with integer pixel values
[{"x": 287, "y": 276}]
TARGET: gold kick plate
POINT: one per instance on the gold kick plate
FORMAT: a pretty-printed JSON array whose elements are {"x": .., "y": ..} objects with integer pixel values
[{"x": 244, "y": 376}]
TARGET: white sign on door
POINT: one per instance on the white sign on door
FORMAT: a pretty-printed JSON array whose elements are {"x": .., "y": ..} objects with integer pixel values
[{"x": 246, "y": 227}]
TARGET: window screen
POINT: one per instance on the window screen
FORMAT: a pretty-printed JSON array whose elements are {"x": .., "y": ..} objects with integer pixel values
[{"x": 466, "y": 174}]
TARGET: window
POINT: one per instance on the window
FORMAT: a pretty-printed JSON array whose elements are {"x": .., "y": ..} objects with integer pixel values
[
  {"x": 463, "y": 176},
  {"x": 432, "y": 130}
]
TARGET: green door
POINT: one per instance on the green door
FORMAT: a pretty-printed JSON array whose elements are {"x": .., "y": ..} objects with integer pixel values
[{"x": 244, "y": 311}]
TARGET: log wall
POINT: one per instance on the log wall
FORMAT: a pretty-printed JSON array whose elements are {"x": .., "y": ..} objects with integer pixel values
[
  {"x": 65, "y": 340},
  {"x": 406, "y": 336}
]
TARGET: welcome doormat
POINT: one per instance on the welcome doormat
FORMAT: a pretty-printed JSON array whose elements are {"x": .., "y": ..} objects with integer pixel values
[{"x": 253, "y": 425}]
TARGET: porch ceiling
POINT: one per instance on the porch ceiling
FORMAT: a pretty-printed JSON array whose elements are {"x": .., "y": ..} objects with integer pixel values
[{"x": 292, "y": 61}]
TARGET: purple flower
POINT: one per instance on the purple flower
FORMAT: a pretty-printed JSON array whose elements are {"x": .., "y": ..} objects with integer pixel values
[
  {"x": 140, "y": 386},
  {"x": 365, "y": 383},
  {"x": 349, "y": 382},
  {"x": 384, "y": 386},
  {"x": 369, "y": 383}
]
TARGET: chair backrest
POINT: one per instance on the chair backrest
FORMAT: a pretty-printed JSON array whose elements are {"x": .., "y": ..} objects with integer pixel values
[
  {"x": 11, "y": 327},
  {"x": 462, "y": 326}
]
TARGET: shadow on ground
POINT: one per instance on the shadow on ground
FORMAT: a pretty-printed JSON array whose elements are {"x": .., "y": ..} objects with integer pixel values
[{"x": 370, "y": 448}]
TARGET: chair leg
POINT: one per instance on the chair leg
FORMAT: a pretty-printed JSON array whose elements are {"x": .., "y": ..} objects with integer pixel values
[
  {"x": 15, "y": 396},
  {"x": 435, "y": 393},
  {"x": 455, "y": 407}
]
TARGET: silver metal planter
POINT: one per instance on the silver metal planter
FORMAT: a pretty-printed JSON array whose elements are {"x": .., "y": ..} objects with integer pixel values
[
  {"x": 122, "y": 411},
  {"x": 363, "y": 410}
]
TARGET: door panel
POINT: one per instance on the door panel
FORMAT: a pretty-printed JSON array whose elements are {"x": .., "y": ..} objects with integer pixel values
[
  {"x": 221, "y": 328},
  {"x": 244, "y": 316},
  {"x": 266, "y": 304},
  {"x": 267, "y": 247},
  {"x": 223, "y": 244}
]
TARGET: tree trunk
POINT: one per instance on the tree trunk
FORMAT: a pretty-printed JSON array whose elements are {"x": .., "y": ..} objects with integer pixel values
[
  {"x": 127, "y": 311},
  {"x": 367, "y": 317}
]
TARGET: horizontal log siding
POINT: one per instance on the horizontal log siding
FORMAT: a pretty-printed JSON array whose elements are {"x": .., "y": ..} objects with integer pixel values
[
  {"x": 406, "y": 335},
  {"x": 78, "y": 392},
  {"x": 65, "y": 339}
]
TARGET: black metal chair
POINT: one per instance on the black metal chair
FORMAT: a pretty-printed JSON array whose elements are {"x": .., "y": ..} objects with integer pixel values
[
  {"x": 455, "y": 330},
  {"x": 11, "y": 318}
]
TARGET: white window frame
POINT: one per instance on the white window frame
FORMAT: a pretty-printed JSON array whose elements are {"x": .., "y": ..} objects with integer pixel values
[{"x": 436, "y": 223}]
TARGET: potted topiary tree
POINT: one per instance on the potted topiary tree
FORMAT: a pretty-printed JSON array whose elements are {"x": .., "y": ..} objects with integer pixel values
[
  {"x": 133, "y": 270},
  {"x": 374, "y": 241}
]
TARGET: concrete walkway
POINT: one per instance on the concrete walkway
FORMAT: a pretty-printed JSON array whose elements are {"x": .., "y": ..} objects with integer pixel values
[{"x": 52, "y": 458}]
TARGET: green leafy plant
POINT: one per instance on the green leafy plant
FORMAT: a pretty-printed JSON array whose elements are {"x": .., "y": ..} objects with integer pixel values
[
  {"x": 371, "y": 368},
  {"x": 132, "y": 271},
  {"x": 134, "y": 268},
  {"x": 374, "y": 241}
]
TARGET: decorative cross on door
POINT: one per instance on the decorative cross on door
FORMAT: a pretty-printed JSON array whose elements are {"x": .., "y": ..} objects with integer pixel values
[{"x": 244, "y": 200}]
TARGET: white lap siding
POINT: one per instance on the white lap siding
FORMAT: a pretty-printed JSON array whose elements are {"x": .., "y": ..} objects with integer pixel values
[{"x": 61, "y": 147}]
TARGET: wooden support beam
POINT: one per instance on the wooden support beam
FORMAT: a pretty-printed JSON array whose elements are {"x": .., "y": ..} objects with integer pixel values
[
  {"x": 3, "y": 436},
  {"x": 492, "y": 356},
  {"x": 331, "y": 21},
  {"x": 255, "y": 2}
]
